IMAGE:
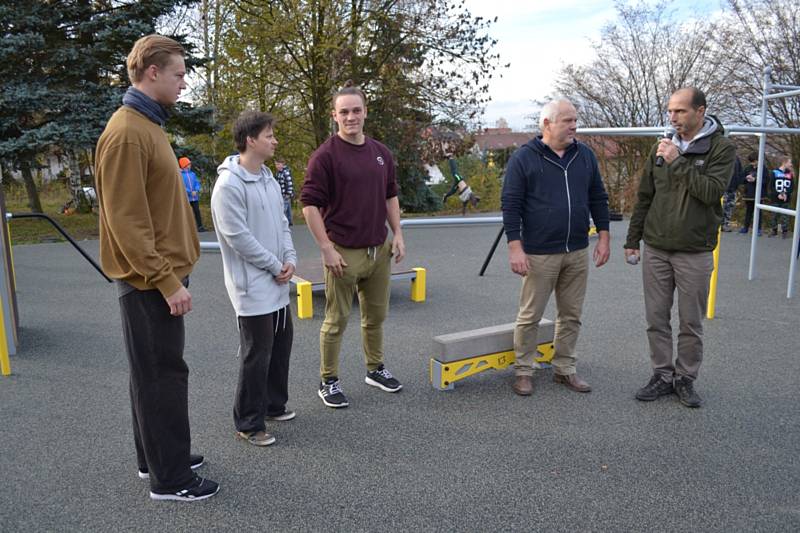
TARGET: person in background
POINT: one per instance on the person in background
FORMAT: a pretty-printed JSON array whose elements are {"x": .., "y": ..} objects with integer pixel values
[
  {"x": 192, "y": 186},
  {"x": 781, "y": 192},
  {"x": 749, "y": 194},
  {"x": 729, "y": 198},
  {"x": 460, "y": 186},
  {"x": 284, "y": 178}
]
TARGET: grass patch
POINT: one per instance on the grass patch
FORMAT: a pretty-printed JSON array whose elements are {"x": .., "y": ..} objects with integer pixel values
[{"x": 53, "y": 196}]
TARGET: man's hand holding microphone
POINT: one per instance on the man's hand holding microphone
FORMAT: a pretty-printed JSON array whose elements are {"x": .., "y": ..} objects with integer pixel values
[{"x": 667, "y": 151}]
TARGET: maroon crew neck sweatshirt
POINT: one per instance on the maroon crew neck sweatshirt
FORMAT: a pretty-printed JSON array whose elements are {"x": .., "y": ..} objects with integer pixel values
[{"x": 350, "y": 184}]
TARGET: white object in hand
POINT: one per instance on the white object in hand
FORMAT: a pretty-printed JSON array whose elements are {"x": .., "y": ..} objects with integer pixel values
[{"x": 632, "y": 259}]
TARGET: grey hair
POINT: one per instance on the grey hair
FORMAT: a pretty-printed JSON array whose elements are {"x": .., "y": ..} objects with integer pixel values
[{"x": 550, "y": 110}]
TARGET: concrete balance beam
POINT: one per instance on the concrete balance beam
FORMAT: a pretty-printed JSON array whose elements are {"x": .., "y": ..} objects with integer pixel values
[
  {"x": 460, "y": 355},
  {"x": 483, "y": 341}
]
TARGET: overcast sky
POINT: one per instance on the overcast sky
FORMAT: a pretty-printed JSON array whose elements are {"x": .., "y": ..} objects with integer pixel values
[{"x": 539, "y": 36}]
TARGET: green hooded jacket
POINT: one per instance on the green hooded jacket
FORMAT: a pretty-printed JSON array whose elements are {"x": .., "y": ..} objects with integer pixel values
[{"x": 678, "y": 207}]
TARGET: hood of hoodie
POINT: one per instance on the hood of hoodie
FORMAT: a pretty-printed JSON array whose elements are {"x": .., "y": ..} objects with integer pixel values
[
  {"x": 231, "y": 164},
  {"x": 538, "y": 145},
  {"x": 701, "y": 143}
]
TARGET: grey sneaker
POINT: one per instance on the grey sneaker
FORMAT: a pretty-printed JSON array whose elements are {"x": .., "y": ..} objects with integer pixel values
[
  {"x": 256, "y": 438},
  {"x": 283, "y": 417},
  {"x": 654, "y": 389},
  {"x": 684, "y": 388}
]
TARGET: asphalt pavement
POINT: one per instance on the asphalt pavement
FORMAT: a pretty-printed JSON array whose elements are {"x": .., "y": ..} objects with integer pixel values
[{"x": 477, "y": 458}]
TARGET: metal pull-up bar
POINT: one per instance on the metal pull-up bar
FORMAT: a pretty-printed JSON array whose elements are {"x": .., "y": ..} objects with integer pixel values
[{"x": 793, "y": 90}]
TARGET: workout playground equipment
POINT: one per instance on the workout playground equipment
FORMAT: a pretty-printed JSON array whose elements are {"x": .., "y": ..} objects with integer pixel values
[
  {"x": 9, "y": 312},
  {"x": 460, "y": 355},
  {"x": 309, "y": 274}
]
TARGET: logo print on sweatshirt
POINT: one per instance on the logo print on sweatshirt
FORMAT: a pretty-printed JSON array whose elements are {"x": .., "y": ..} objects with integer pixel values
[
  {"x": 379, "y": 159},
  {"x": 699, "y": 163}
]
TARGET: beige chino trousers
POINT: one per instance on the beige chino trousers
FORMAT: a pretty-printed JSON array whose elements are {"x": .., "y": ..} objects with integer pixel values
[{"x": 566, "y": 275}]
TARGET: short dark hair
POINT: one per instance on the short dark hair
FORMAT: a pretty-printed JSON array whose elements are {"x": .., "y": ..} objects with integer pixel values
[
  {"x": 698, "y": 96},
  {"x": 349, "y": 87},
  {"x": 250, "y": 124},
  {"x": 753, "y": 157}
]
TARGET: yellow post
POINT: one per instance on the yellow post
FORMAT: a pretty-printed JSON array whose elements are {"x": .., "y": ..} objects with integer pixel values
[
  {"x": 305, "y": 305},
  {"x": 712, "y": 290},
  {"x": 11, "y": 253},
  {"x": 418, "y": 285},
  {"x": 5, "y": 364}
]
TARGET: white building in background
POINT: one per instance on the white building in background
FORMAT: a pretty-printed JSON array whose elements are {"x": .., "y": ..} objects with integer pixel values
[{"x": 47, "y": 169}]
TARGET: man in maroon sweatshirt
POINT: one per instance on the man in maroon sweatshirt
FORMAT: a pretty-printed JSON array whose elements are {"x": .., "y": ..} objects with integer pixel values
[{"x": 349, "y": 194}]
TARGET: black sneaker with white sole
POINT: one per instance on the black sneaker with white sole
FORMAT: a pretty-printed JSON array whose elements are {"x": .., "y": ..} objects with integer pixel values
[
  {"x": 383, "y": 379},
  {"x": 654, "y": 389},
  {"x": 198, "y": 489},
  {"x": 331, "y": 393},
  {"x": 195, "y": 461},
  {"x": 684, "y": 388}
]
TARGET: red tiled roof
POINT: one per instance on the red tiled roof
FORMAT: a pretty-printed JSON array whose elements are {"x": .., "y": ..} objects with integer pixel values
[{"x": 499, "y": 141}]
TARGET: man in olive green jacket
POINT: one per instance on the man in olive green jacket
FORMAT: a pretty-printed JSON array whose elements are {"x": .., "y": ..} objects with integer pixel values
[{"x": 678, "y": 215}]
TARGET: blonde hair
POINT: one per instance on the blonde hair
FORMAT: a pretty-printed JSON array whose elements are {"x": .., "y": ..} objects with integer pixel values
[
  {"x": 349, "y": 87},
  {"x": 151, "y": 50}
]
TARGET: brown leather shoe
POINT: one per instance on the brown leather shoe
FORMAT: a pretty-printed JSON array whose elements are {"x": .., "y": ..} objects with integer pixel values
[
  {"x": 523, "y": 385},
  {"x": 573, "y": 382}
]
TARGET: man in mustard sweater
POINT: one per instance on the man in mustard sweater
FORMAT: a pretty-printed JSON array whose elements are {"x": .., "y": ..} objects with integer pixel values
[{"x": 148, "y": 244}]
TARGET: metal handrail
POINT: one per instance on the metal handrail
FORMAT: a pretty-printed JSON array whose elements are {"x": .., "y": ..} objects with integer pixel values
[{"x": 65, "y": 234}]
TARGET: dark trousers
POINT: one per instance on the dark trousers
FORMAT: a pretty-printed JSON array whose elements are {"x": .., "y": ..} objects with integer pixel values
[
  {"x": 265, "y": 344},
  {"x": 780, "y": 218},
  {"x": 196, "y": 210},
  {"x": 159, "y": 381},
  {"x": 750, "y": 207}
]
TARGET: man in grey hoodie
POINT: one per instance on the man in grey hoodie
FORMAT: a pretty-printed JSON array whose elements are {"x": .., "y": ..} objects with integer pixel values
[{"x": 259, "y": 259}]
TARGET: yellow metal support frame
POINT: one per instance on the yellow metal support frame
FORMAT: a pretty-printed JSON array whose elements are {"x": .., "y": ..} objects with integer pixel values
[
  {"x": 712, "y": 290},
  {"x": 444, "y": 375},
  {"x": 305, "y": 305},
  {"x": 418, "y": 285},
  {"x": 5, "y": 364}
]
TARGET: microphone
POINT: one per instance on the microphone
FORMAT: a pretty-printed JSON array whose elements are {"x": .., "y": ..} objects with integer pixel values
[{"x": 668, "y": 133}]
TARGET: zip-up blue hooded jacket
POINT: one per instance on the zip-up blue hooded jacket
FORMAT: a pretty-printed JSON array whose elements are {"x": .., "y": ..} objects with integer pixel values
[{"x": 547, "y": 199}]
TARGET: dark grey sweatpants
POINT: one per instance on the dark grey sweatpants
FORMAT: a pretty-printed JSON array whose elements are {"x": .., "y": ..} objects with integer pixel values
[{"x": 265, "y": 344}]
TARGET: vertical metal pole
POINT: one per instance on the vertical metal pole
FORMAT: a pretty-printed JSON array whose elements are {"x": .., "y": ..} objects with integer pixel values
[
  {"x": 795, "y": 239},
  {"x": 762, "y": 144}
]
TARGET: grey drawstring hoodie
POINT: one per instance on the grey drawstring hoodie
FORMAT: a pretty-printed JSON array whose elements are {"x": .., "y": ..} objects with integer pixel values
[{"x": 254, "y": 237}]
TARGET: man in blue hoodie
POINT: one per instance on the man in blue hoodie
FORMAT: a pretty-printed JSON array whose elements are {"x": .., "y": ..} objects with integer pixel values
[{"x": 552, "y": 184}]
